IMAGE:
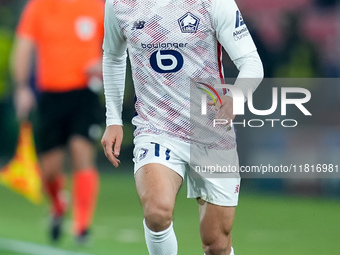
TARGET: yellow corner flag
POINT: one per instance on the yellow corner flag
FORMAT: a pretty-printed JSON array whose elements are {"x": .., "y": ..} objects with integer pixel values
[{"x": 22, "y": 174}]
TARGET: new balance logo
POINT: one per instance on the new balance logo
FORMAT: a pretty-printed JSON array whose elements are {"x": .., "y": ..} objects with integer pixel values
[
  {"x": 138, "y": 25},
  {"x": 239, "y": 20}
]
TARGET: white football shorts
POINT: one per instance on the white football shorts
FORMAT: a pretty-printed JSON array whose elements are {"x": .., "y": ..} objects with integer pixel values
[{"x": 211, "y": 175}]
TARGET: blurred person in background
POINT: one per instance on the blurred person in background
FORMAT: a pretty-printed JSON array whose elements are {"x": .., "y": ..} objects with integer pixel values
[{"x": 65, "y": 36}]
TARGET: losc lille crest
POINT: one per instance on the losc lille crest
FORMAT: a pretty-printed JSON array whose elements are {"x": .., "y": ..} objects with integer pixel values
[{"x": 188, "y": 23}]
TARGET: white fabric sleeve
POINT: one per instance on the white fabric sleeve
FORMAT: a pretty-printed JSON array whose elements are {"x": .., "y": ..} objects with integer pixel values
[
  {"x": 114, "y": 85},
  {"x": 231, "y": 31},
  {"x": 251, "y": 73},
  {"x": 114, "y": 66}
]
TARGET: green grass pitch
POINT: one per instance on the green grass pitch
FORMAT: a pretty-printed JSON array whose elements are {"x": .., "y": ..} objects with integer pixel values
[{"x": 264, "y": 224}]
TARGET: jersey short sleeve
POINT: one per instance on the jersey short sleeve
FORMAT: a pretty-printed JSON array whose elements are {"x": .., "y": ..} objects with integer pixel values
[
  {"x": 231, "y": 30},
  {"x": 28, "y": 22}
]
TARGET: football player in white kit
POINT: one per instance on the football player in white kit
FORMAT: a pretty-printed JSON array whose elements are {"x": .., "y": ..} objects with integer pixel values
[{"x": 170, "y": 43}]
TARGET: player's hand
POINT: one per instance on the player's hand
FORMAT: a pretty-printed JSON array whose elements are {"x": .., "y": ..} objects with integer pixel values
[
  {"x": 226, "y": 110},
  {"x": 24, "y": 100},
  {"x": 111, "y": 142}
]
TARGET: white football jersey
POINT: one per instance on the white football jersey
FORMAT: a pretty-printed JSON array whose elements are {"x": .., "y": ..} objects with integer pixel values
[{"x": 172, "y": 43}]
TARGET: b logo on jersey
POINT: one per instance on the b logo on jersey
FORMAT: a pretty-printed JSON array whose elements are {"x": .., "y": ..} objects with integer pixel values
[
  {"x": 166, "y": 61},
  {"x": 188, "y": 23}
]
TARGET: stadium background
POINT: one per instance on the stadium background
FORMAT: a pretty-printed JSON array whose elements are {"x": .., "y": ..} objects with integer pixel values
[{"x": 295, "y": 39}]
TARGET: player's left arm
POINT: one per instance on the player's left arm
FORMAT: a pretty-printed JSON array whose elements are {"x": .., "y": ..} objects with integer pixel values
[{"x": 235, "y": 38}]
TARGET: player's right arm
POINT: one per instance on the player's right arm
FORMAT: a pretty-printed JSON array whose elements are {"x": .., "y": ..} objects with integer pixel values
[{"x": 114, "y": 68}]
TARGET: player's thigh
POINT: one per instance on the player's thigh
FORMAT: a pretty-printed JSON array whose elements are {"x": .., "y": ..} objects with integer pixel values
[
  {"x": 216, "y": 224},
  {"x": 217, "y": 194},
  {"x": 157, "y": 184},
  {"x": 159, "y": 172},
  {"x": 157, "y": 187}
]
